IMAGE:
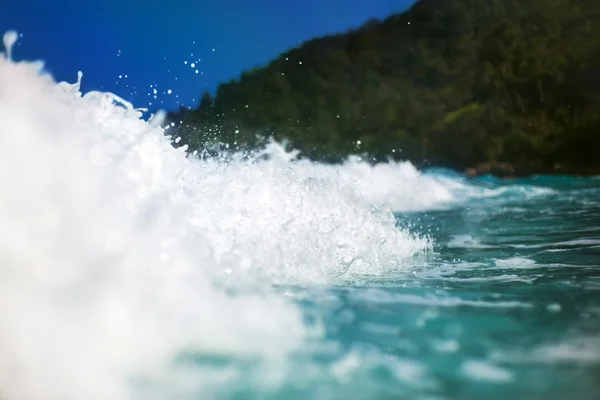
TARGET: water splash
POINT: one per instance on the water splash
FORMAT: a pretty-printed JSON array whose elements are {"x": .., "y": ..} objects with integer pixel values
[
  {"x": 9, "y": 39},
  {"x": 129, "y": 269},
  {"x": 119, "y": 252}
]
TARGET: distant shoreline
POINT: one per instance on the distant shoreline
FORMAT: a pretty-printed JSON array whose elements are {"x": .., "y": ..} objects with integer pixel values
[
  {"x": 507, "y": 171},
  {"x": 480, "y": 86}
]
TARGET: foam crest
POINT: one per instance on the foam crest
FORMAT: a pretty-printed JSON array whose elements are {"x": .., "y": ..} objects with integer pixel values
[
  {"x": 118, "y": 253},
  {"x": 319, "y": 227},
  {"x": 101, "y": 279},
  {"x": 397, "y": 186}
]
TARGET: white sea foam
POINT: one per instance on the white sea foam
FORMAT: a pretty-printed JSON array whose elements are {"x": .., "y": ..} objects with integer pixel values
[
  {"x": 376, "y": 296},
  {"x": 118, "y": 252},
  {"x": 398, "y": 186},
  {"x": 467, "y": 242},
  {"x": 485, "y": 371},
  {"x": 578, "y": 350}
]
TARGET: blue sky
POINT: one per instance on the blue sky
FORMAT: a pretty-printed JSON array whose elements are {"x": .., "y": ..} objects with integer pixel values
[{"x": 124, "y": 46}]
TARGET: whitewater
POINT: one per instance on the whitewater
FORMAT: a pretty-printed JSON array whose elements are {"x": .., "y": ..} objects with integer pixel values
[{"x": 130, "y": 269}]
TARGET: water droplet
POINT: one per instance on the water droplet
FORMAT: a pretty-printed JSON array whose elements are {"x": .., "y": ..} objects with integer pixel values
[{"x": 9, "y": 39}]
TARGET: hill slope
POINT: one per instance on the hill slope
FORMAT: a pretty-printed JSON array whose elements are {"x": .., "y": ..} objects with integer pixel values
[{"x": 448, "y": 82}]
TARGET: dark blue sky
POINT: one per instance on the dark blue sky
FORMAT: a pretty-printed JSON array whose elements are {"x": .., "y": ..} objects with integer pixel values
[{"x": 124, "y": 46}]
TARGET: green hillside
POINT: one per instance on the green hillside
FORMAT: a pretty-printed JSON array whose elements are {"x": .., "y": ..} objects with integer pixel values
[{"x": 452, "y": 83}]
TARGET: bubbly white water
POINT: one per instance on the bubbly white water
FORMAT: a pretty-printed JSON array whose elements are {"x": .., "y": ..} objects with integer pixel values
[{"x": 118, "y": 252}]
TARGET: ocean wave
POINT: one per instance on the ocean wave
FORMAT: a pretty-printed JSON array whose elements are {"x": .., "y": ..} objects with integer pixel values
[{"x": 120, "y": 252}]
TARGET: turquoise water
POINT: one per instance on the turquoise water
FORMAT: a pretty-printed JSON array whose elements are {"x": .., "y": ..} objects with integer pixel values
[{"x": 506, "y": 306}]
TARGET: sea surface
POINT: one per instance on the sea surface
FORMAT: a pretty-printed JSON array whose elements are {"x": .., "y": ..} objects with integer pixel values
[
  {"x": 506, "y": 305},
  {"x": 132, "y": 270}
]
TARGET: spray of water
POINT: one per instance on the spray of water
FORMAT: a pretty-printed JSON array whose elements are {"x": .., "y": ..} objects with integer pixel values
[{"x": 119, "y": 253}]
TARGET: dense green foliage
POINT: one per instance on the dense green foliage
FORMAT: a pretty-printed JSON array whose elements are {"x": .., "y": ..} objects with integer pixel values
[{"x": 449, "y": 82}]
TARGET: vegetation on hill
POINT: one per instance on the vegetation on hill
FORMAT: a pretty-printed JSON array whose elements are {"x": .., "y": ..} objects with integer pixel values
[{"x": 452, "y": 83}]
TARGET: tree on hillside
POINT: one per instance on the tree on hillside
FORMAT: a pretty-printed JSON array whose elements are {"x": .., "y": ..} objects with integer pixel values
[{"x": 448, "y": 82}]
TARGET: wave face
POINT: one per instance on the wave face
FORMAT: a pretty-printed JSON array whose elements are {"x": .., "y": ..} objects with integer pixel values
[{"x": 119, "y": 253}]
